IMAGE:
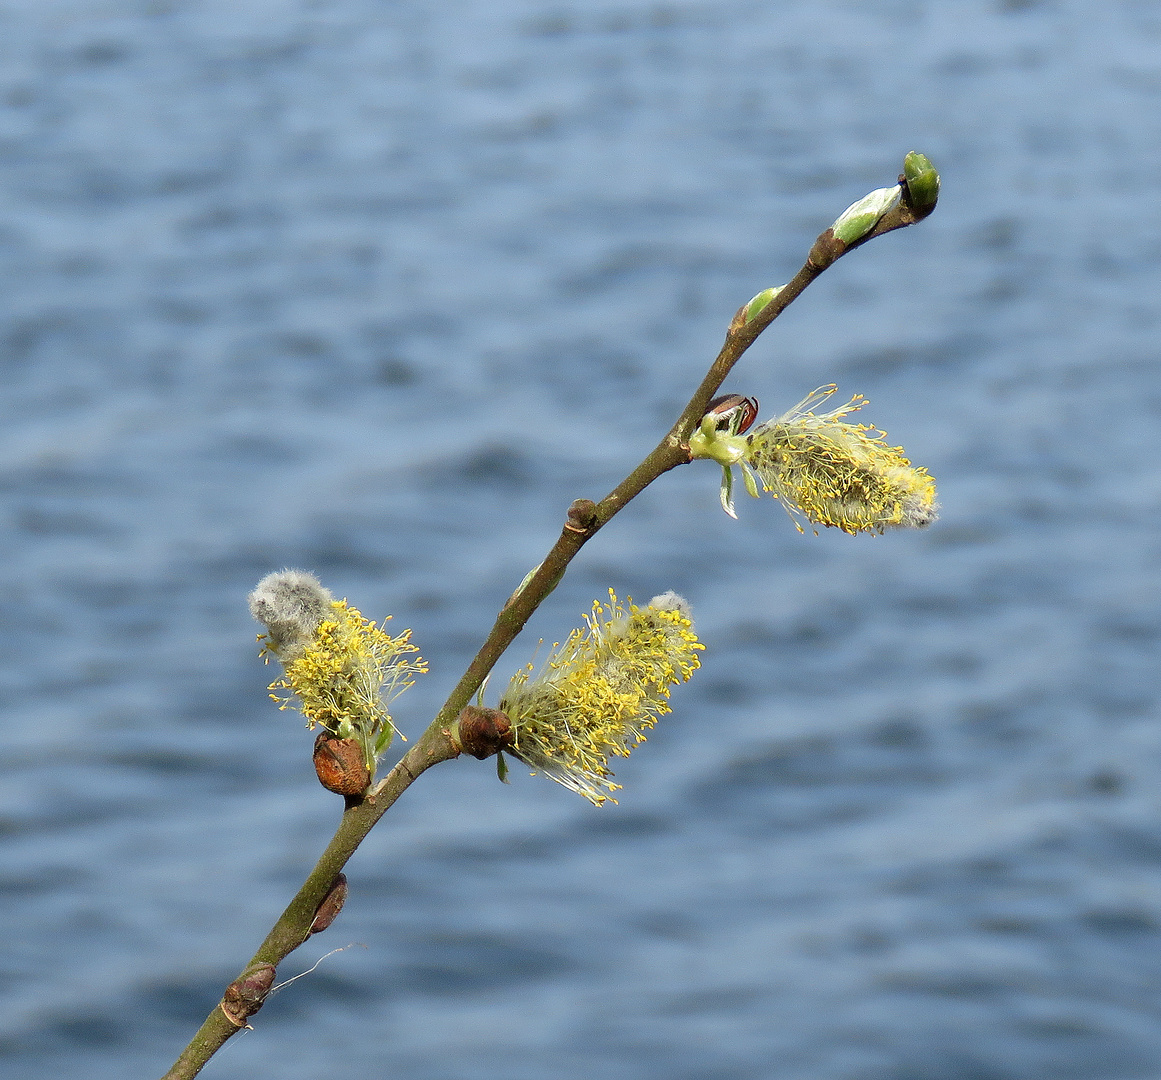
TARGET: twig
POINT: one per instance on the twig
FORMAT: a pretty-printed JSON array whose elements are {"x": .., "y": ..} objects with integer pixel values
[{"x": 919, "y": 185}]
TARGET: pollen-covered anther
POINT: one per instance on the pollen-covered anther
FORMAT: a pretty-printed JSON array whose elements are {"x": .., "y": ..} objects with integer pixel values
[
  {"x": 342, "y": 671},
  {"x": 246, "y": 994},
  {"x": 838, "y": 474},
  {"x": 482, "y": 732},
  {"x": 600, "y": 691}
]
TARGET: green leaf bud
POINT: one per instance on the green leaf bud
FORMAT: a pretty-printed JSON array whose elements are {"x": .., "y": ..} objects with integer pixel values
[
  {"x": 761, "y": 301},
  {"x": 861, "y": 217},
  {"x": 922, "y": 181}
]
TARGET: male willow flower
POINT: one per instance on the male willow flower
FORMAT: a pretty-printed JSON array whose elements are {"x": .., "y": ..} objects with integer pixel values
[
  {"x": 342, "y": 671},
  {"x": 821, "y": 467},
  {"x": 600, "y": 691}
]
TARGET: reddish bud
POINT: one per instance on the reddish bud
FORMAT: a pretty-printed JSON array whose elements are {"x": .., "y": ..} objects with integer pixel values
[
  {"x": 582, "y": 515},
  {"x": 827, "y": 248},
  {"x": 340, "y": 764},
  {"x": 245, "y": 995},
  {"x": 332, "y": 904},
  {"x": 725, "y": 408},
  {"x": 483, "y": 732}
]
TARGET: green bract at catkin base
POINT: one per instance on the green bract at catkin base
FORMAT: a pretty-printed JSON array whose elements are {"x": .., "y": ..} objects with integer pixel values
[
  {"x": 831, "y": 472},
  {"x": 600, "y": 691},
  {"x": 342, "y": 671}
]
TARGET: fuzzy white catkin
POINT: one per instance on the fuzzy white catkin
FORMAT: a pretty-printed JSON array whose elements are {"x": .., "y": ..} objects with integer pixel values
[
  {"x": 671, "y": 601},
  {"x": 291, "y": 604}
]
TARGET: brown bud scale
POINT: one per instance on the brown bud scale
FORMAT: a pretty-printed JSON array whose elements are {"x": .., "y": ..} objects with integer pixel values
[
  {"x": 725, "y": 407},
  {"x": 332, "y": 904},
  {"x": 340, "y": 764},
  {"x": 246, "y": 994},
  {"x": 483, "y": 732},
  {"x": 581, "y": 515},
  {"x": 827, "y": 248}
]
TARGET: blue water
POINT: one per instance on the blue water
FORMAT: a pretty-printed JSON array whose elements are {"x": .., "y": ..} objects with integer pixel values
[{"x": 376, "y": 289}]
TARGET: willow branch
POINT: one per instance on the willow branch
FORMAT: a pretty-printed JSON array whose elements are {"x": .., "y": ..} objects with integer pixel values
[{"x": 440, "y": 742}]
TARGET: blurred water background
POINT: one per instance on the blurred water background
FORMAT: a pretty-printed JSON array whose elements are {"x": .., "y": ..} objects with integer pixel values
[{"x": 376, "y": 289}]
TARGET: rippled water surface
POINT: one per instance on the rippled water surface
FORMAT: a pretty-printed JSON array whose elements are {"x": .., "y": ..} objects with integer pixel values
[{"x": 377, "y": 289}]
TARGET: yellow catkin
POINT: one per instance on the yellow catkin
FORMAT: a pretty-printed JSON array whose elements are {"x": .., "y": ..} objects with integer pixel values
[
  {"x": 600, "y": 691},
  {"x": 346, "y": 674},
  {"x": 839, "y": 474}
]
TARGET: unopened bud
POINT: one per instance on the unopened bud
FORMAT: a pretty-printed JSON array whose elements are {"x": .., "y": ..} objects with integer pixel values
[
  {"x": 245, "y": 995},
  {"x": 332, "y": 904},
  {"x": 922, "y": 182},
  {"x": 341, "y": 764},
  {"x": 582, "y": 515},
  {"x": 733, "y": 413},
  {"x": 861, "y": 217},
  {"x": 482, "y": 732},
  {"x": 761, "y": 301}
]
